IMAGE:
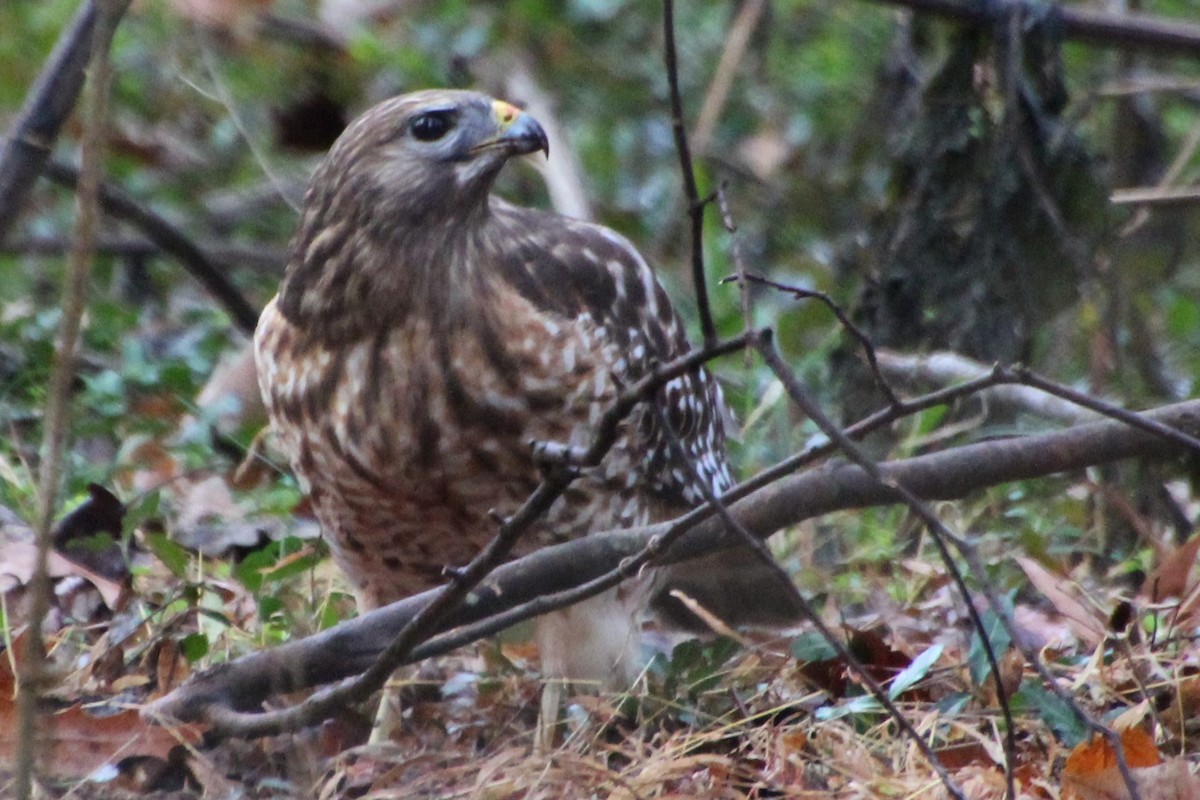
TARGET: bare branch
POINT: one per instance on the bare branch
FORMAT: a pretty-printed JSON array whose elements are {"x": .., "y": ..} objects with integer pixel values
[
  {"x": 1131, "y": 418},
  {"x": 944, "y": 368},
  {"x": 1157, "y": 196},
  {"x": 227, "y": 256},
  {"x": 695, "y": 204},
  {"x": 855, "y": 331},
  {"x": 1129, "y": 31}
]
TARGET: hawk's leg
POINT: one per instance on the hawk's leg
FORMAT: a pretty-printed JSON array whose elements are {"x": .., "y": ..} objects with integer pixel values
[
  {"x": 389, "y": 714},
  {"x": 594, "y": 644}
]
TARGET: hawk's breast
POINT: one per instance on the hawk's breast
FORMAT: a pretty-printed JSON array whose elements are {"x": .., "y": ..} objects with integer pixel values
[{"x": 407, "y": 439}]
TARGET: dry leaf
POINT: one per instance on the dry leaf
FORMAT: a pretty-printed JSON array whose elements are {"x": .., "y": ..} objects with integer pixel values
[
  {"x": 1091, "y": 771},
  {"x": 1086, "y": 622},
  {"x": 16, "y": 570},
  {"x": 1184, "y": 707},
  {"x": 1173, "y": 576},
  {"x": 73, "y": 743}
]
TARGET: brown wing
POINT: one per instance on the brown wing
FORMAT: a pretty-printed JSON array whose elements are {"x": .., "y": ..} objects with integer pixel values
[{"x": 595, "y": 279}]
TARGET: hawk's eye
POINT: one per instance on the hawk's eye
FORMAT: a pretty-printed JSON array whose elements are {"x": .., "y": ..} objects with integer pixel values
[{"x": 432, "y": 125}]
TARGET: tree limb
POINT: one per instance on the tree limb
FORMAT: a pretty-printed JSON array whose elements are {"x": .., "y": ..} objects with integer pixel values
[
  {"x": 352, "y": 646},
  {"x": 1130, "y": 31},
  {"x": 46, "y": 108}
]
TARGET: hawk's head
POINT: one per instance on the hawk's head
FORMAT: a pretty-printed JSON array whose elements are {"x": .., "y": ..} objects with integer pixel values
[
  {"x": 431, "y": 150},
  {"x": 403, "y": 185}
]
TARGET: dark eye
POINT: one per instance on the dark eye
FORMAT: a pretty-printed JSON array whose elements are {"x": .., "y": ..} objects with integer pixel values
[{"x": 432, "y": 125}]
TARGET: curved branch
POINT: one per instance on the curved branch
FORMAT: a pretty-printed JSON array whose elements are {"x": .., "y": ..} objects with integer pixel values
[
  {"x": 171, "y": 240},
  {"x": 352, "y": 646}
]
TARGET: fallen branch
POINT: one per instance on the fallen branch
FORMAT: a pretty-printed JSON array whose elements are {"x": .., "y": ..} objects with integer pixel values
[{"x": 351, "y": 647}]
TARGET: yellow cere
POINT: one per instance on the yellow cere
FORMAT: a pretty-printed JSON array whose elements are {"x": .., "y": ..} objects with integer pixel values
[{"x": 506, "y": 113}]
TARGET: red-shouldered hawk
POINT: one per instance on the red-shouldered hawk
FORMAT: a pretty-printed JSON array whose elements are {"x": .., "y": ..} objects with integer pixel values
[{"x": 426, "y": 332}]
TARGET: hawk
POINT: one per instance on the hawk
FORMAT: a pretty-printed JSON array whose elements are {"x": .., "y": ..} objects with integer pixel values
[{"x": 426, "y": 332}]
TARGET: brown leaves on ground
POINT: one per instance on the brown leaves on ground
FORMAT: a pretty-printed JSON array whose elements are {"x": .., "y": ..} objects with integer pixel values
[
  {"x": 1092, "y": 771},
  {"x": 100, "y": 740}
]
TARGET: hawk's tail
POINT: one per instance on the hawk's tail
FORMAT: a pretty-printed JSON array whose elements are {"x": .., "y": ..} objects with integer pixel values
[{"x": 733, "y": 585}]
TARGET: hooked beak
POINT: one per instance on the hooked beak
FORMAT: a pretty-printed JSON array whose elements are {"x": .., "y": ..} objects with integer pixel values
[{"x": 519, "y": 133}]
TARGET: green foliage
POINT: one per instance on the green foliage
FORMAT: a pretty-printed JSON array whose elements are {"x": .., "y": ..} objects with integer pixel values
[
  {"x": 1032, "y": 698},
  {"x": 997, "y": 637},
  {"x": 812, "y": 646},
  {"x": 274, "y": 564},
  {"x": 695, "y": 676},
  {"x": 172, "y": 556}
]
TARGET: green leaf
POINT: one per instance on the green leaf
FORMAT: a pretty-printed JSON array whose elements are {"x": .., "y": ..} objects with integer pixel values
[
  {"x": 144, "y": 508},
  {"x": 915, "y": 671},
  {"x": 863, "y": 704},
  {"x": 1036, "y": 699},
  {"x": 194, "y": 647},
  {"x": 998, "y": 637},
  {"x": 170, "y": 553},
  {"x": 813, "y": 646}
]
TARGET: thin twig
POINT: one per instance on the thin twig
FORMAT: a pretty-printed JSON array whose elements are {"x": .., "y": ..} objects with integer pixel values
[
  {"x": 695, "y": 204},
  {"x": 171, "y": 239},
  {"x": 947, "y": 368},
  {"x": 739, "y": 262},
  {"x": 864, "y": 341},
  {"x": 62, "y": 373},
  {"x": 268, "y": 260},
  {"x": 518, "y": 590},
  {"x": 1157, "y": 196},
  {"x": 1132, "y": 418},
  {"x": 942, "y": 534}
]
